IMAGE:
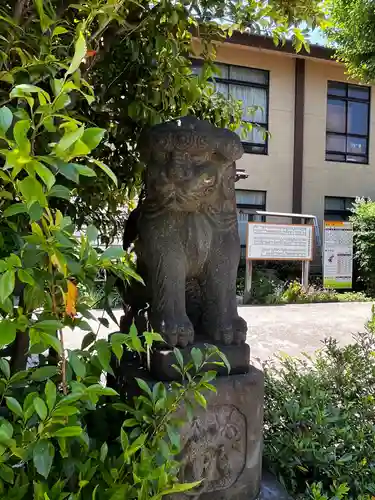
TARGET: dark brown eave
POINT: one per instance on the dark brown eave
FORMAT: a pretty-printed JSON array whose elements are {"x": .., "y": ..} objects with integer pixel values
[{"x": 266, "y": 43}]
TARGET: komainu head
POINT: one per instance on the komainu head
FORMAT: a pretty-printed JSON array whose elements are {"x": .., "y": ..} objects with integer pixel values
[{"x": 187, "y": 160}]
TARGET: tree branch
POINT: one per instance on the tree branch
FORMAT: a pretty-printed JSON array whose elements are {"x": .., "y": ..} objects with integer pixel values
[{"x": 18, "y": 9}]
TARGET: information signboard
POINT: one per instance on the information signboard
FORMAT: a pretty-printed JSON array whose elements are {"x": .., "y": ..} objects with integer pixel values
[
  {"x": 269, "y": 241},
  {"x": 338, "y": 255}
]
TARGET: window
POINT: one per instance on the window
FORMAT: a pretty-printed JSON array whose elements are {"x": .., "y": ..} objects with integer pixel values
[
  {"x": 248, "y": 202},
  {"x": 337, "y": 208},
  {"x": 348, "y": 118},
  {"x": 250, "y": 86}
]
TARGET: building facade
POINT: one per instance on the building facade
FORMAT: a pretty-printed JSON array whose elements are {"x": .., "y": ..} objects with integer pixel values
[{"x": 320, "y": 152}]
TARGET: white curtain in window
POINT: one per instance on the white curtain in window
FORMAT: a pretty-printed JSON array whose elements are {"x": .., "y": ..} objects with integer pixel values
[
  {"x": 250, "y": 97},
  {"x": 223, "y": 88},
  {"x": 245, "y": 197}
]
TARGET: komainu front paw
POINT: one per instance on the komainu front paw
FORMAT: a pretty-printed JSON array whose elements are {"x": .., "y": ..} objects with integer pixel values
[
  {"x": 178, "y": 333},
  {"x": 239, "y": 330},
  {"x": 232, "y": 332}
]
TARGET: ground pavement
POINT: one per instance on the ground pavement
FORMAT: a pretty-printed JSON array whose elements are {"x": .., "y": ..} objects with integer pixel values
[{"x": 291, "y": 328}]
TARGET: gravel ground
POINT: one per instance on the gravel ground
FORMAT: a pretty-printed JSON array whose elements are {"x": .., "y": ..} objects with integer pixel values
[{"x": 291, "y": 329}]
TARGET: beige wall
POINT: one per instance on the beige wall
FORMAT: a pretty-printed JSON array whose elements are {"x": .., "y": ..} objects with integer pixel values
[
  {"x": 273, "y": 172},
  {"x": 322, "y": 178}
]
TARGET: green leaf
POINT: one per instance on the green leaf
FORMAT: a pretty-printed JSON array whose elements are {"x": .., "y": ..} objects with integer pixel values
[
  {"x": 179, "y": 358},
  {"x": 20, "y": 131},
  {"x": 224, "y": 359},
  {"x": 59, "y": 31},
  {"x": 14, "y": 406},
  {"x": 120, "y": 492},
  {"x": 88, "y": 339},
  {"x": 180, "y": 487},
  {"x": 69, "y": 171},
  {"x": 32, "y": 191},
  {"x": 17, "y": 208},
  {"x": 151, "y": 337},
  {"x": 79, "y": 149},
  {"x": 48, "y": 325},
  {"x": 112, "y": 253},
  {"x": 104, "y": 355},
  {"x": 25, "y": 277},
  {"x": 61, "y": 102},
  {"x": 197, "y": 356},
  {"x": 101, "y": 391},
  {"x": 103, "y": 452},
  {"x": 84, "y": 170},
  {"x": 26, "y": 88},
  {"x": 50, "y": 393},
  {"x": 4, "y": 366},
  {"x": 124, "y": 440},
  {"x": 40, "y": 408},
  {"x": 69, "y": 139},
  {"x": 92, "y": 233},
  {"x": 118, "y": 350},
  {"x": 44, "y": 173},
  {"x": 43, "y": 455},
  {"x": 93, "y": 136},
  {"x": 144, "y": 386},
  {"x": 7, "y": 473},
  {"x": 59, "y": 191},
  {"x": 51, "y": 341},
  {"x": 72, "y": 431},
  {"x": 35, "y": 212},
  {"x": 200, "y": 399},
  {"x": 79, "y": 54},
  {"x": 106, "y": 170},
  {"x": 44, "y": 373},
  {"x": 77, "y": 364},
  {"x": 6, "y": 118},
  {"x": 8, "y": 331},
  {"x": 7, "y": 283},
  {"x": 65, "y": 411},
  {"x": 19, "y": 376}
]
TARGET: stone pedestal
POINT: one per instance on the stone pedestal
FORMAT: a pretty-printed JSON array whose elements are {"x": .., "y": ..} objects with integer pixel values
[{"x": 222, "y": 446}]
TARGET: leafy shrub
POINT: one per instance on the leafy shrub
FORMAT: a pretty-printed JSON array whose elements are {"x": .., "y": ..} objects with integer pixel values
[
  {"x": 63, "y": 433},
  {"x": 81, "y": 439},
  {"x": 296, "y": 294},
  {"x": 320, "y": 420},
  {"x": 266, "y": 286},
  {"x": 363, "y": 220}
]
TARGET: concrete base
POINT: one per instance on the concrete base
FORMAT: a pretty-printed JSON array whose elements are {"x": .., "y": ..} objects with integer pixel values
[
  {"x": 271, "y": 489},
  {"x": 161, "y": 361},
  {"x": 222, "y": 446}
]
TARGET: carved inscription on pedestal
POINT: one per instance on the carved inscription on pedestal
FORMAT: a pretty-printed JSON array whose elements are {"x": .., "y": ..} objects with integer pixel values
[{"x": 214, "y": 449}]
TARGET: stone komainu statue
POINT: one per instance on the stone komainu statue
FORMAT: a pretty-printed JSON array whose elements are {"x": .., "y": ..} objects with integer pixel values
[{"x": 188, "y": 245}]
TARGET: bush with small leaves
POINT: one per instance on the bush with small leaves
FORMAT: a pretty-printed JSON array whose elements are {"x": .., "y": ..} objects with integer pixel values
[
  {"x": 320, "y": 420},
  {"x": 51, "y": 397}
]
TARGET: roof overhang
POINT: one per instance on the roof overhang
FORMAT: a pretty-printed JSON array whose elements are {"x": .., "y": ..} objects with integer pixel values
[{"x": 267, "y": 43}]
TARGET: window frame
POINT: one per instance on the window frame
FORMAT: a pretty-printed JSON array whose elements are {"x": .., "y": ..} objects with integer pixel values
[
  {"x": 252, "y": 206},
  {"x": 228, "y": 81},
  {"x": 345, "y": 213},
  {"x": 346, "y": 134}
]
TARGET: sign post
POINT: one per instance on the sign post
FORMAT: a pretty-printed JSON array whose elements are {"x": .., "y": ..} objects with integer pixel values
[
  {"x": 338, "y": 255},
  {"x": 269, "y": 241}
]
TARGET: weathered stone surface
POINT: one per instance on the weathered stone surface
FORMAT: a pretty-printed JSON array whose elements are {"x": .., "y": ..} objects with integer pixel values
[
  {"x": 187, "y": 240},
  {"x": 271, "y": 489},
  {"x": 223, "y": 445},
  {"x": 161, "y": 361}
]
